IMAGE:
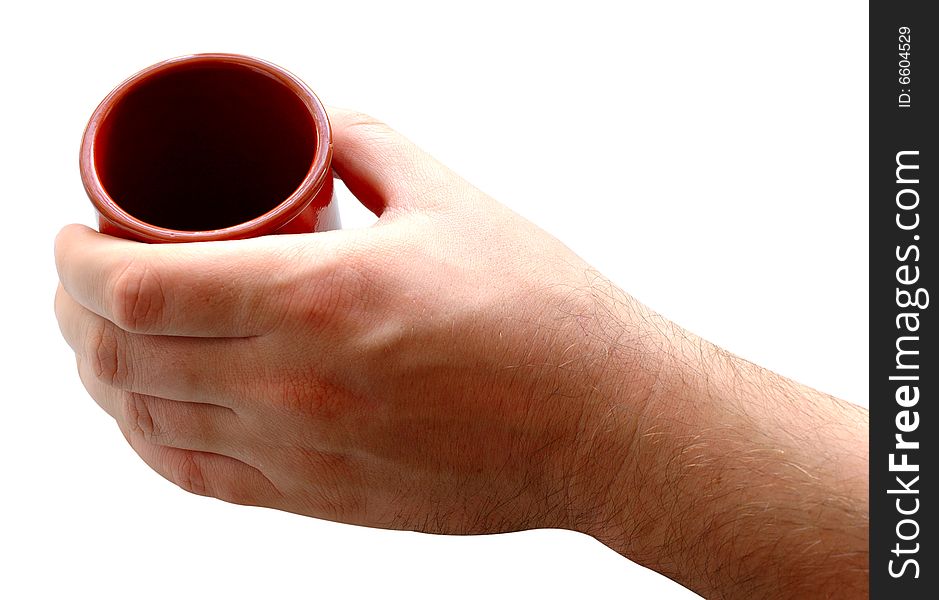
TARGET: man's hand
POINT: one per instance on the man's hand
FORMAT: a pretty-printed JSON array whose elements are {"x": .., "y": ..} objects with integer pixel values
[
  {"x": 431, "y": 372},
  {"x": 454, "y": 369}
]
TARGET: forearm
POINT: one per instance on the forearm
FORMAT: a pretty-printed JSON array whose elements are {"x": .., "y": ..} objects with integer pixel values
[{"x": 726, "y": 477}]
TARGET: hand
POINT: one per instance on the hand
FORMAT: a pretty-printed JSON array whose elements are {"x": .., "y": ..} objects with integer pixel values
[
  {"x": 454, "y": 369},
  {"x": 437, "y": 371}
]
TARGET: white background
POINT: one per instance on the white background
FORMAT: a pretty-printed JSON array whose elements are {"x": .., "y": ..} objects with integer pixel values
[{"x": 710, "y": 157}]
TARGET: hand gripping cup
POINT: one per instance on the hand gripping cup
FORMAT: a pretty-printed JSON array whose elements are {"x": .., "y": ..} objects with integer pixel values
[{"x": 209, "y": 147}]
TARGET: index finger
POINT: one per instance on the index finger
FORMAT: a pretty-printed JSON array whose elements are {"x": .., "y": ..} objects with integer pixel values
[
  {"x": 201, "y": 289},
  {"x": 384, "y": 169}
]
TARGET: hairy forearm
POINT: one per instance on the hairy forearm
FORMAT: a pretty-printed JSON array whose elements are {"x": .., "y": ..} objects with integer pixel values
[{"x": 728, "y": 478}]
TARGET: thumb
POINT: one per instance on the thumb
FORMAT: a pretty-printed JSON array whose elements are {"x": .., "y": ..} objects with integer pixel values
[{"x": 387, "y": 172}]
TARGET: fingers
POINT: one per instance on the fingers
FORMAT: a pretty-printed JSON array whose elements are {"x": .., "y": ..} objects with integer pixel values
[
  {"x": 243, "y": 288},
  {"x": 207, "y": 474},
  {"x": 203, "y": 370},
  {"x": 385, "y": 170},
  {"x": 210, "y": 289},
  {"x": 186, "y": 425}
]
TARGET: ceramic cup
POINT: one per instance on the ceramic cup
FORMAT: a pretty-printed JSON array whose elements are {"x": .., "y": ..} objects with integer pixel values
[{"x": 209, "y": 147}]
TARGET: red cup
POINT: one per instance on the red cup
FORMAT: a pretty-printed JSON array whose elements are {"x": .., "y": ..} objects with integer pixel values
[{"x": 209, "y": 147}]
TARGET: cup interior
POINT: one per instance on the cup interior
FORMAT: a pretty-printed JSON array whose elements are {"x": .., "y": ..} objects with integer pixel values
[{"x": 203, "y": 146}]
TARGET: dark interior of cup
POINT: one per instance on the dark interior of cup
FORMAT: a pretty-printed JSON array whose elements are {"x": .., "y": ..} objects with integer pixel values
[{"x": 204, "y": 146}]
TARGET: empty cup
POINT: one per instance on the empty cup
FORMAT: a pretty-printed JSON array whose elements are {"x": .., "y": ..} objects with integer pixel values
[{"x": 209, "y": 147}]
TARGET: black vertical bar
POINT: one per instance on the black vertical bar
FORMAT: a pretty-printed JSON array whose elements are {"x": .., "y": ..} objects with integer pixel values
[{"x": 904, "y": 370}]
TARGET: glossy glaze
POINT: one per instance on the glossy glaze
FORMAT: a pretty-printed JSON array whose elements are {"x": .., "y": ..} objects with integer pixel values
[{"x": 209, "y": 147}]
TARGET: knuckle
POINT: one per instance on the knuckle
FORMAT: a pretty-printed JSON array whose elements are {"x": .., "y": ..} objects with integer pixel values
[
  {"x": 139, "y": 417},
  {"x": 365, "y": 123},
  {"x": 137, "y": 298},
  {"x": 297, "y": 397},
  {"x": 105, "y": 355},
  {"x": 309, "y": 397},
  {"x": 338, "y": 289},
  {"x": 188, "y": 474},
  {"x": 351, "y": 282},
  {"x": 194, "y": 474}
]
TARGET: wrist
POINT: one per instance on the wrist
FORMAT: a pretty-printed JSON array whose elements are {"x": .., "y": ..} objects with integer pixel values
[
  {"x": 608, "y": 462},
  {"x": 718, "y": 474}
]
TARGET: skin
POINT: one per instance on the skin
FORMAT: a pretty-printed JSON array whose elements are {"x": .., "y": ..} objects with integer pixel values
[{"x": 454, "y": 369}]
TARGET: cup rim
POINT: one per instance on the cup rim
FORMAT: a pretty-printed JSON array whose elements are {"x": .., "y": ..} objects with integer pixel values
[{"x": 268, "y": 222}]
